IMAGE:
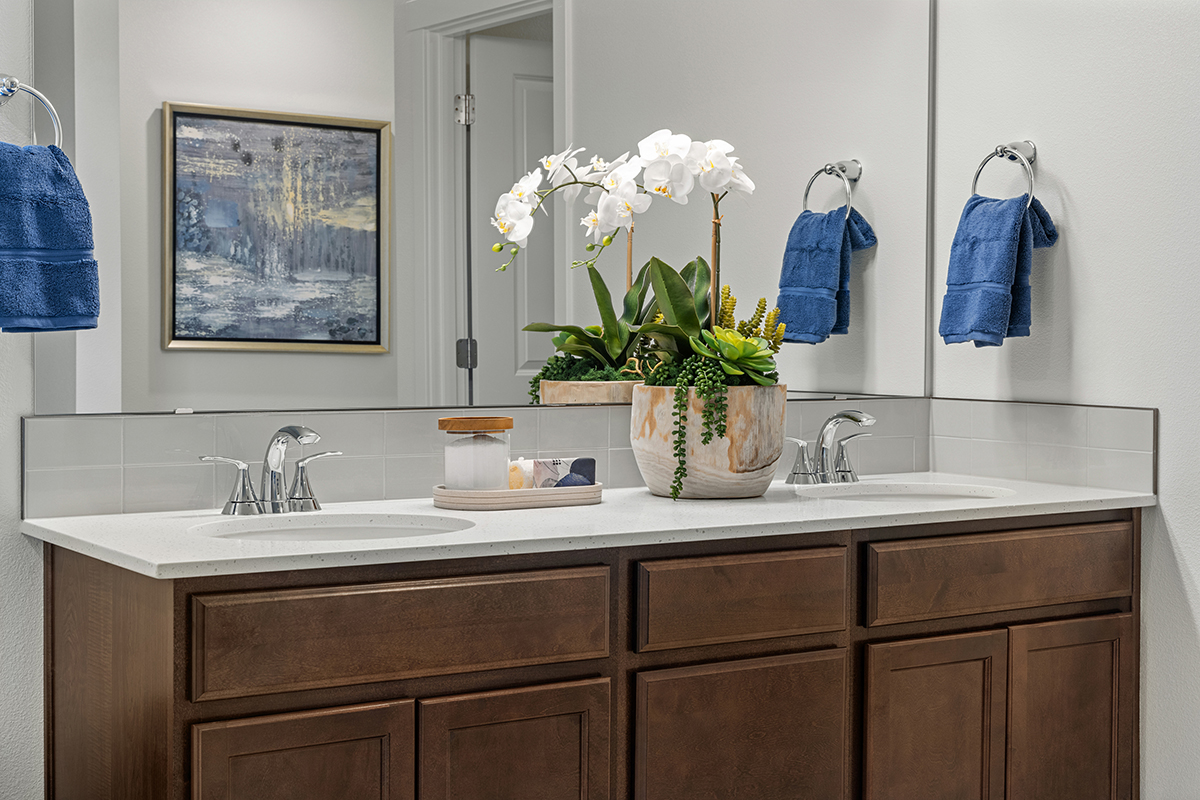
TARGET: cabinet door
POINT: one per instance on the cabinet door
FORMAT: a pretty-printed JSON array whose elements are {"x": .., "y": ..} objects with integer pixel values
[
  {"x": 935, "y": 718},
  {"x": 546, "y": 742},
  {"x": 758, "y": 729},
  {"x": 1072, "y": 708},
  {"x": 361, "y": 752}
]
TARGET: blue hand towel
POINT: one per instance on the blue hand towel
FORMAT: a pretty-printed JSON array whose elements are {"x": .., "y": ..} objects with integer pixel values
[
  {"x": 48, "y": 278},
  {"x": 987, "y": 287},
  {"x": 814, "y": 287}
]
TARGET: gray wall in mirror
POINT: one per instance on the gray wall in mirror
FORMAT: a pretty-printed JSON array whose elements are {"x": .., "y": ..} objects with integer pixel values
[{"x": 792, "y": 85}]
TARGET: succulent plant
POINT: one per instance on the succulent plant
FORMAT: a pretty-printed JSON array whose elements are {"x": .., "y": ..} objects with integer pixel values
[{"x": 737, "y": 354}]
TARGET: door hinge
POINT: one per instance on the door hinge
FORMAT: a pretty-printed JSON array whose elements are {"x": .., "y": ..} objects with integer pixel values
[
  {"x": 464, "y": 109},
  {"x": 466, "y": 354}
]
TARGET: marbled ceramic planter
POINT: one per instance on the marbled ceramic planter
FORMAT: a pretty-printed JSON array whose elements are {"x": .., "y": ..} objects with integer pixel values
[
  {"x": 740, "y": 465},
  {"x": 586, "y": 393}
]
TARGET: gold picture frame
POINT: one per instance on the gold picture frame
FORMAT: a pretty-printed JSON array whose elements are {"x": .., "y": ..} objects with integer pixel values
[{"x": 275, "y": 231}]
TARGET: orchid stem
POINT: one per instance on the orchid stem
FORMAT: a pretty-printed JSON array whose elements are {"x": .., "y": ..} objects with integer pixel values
[
  {"x": 715, "y": 288},
  {"x": 629, "y": 257}
]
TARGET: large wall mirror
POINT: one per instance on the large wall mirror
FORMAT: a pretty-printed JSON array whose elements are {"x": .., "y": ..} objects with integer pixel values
[{"x": 792, "y": 86}]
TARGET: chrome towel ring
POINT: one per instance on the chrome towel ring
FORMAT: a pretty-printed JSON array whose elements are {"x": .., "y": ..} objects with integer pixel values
[
  {"x": 1025, "y": 152},
  {"x": 9, "y": 86},
  {"x": 849, "y": 171}
]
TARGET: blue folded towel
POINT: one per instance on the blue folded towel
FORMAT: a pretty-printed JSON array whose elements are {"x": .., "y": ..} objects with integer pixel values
[
  {"x": 987, "y": 287},
  {"x": 48, "y": 278},
  {"x": 814, "y": 287}
]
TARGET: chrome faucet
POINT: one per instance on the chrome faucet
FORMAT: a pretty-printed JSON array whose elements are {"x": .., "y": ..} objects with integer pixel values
[
  {"x": 827, "y": 469},
  {"x": 273, "y": 493}
]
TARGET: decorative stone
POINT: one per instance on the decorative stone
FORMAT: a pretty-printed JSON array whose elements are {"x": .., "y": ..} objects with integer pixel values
[
  {"x": 586, "y": 393},
  {"x": 740, "y": 465}
]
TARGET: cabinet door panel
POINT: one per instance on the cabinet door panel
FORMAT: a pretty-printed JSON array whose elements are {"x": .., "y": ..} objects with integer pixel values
[
  {"x": 546, "y": 742},
  {"x": 935, "y": 718},
  {"x": 1072, "y": 706},
  {"x": 353, "y": 753},
  {"x": 758, "y": 729}
]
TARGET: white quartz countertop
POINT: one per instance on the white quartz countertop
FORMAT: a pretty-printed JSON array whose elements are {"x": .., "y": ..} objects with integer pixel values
[{"x": 163, "y": 545}]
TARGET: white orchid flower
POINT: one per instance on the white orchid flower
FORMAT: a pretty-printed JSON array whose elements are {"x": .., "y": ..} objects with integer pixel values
[
  {"x": 619, "y": 172},
  {"x": 662, "y": 144},
  {"x": 669, "y": 177},
  {"x": 740, "y": 182},
  {"x": 599, "y": 165},
  {"x": 716, "y": 171},
  {"x": 572, "y": 191},
  {"x": 594, "y": 227},
  {"x": 513, "y": 218},
  {"x": 554, "y": 165},
  {"x": 616, "y": 208},
  {"x": 525, "y": 189}
]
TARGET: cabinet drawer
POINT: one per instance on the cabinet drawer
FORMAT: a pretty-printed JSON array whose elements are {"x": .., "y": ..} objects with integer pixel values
[
  {"x": 683, "y": 602},
  {"x": 918, "y": 579},
  {"x": 263, "y": 642}
]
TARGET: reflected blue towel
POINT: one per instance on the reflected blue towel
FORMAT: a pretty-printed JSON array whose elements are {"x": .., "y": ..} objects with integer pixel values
[
  {"x": 48, "y": 278},
  {"x": 987, "y": 286},
  {"x": 814, "y": 287}
]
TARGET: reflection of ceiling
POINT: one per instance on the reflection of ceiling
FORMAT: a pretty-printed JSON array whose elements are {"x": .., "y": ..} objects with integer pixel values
[{"x": 537, "y": 28}]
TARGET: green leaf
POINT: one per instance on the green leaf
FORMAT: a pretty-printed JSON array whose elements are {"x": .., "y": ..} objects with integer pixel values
[
  {"x": 698, "y": 277},
  {"x": 729, "y": 368},
  {"x": 636, "y": 296},
  {"x": 581, "y": 349},
  {"x": 608, "y": 318},
  {"x": 674, "y": 298},
  {"x": 701, "y": 349},
  {"x": 761, "y": 380}
]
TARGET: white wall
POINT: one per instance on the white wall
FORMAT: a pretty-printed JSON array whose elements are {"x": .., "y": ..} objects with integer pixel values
[
  {"x": 21, "y": 731},
  {"x": 792, "y": 86},
  {"x": 324, "y": 57},
  {"x": 1107, "y": 91}
]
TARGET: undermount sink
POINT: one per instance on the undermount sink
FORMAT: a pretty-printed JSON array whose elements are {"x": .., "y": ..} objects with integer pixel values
[
  {"x": 336, "y": 527},
  {"x": 901, "y": 491}
]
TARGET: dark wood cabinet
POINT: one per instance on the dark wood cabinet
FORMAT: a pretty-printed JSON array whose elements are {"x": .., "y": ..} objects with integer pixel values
[
  {"x": 959, "y": 660},
  {"x": 545, "y": 742},
  {"x": 1073, "y": 701},
  {"x": 770, "y": 728},
  {"x": 360, "y": 752},
  {"x": 935, "y": 718}
]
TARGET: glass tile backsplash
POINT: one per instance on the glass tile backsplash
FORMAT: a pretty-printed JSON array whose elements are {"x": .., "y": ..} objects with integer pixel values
[{"x": 149, "y": 462}]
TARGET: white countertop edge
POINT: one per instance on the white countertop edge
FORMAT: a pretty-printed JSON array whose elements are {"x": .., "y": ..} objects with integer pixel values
[{"x": 158, "y": 545}]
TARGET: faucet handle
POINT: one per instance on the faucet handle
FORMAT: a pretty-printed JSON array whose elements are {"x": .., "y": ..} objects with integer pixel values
[
  {"x": 242, "y": 500},
  {"x": 802, "y": 470},
  {"x": 300, "y": 496},
  {"x": 842, "y": 469}
]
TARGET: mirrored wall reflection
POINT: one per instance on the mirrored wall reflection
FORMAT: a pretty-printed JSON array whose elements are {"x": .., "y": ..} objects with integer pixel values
[{"x": 789, "y": 97}]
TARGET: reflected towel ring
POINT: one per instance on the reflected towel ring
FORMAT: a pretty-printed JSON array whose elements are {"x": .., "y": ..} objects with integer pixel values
[
  {"x": 1013, "y": 152},
  {"x": 849, "y": 171},
  {"x": 9, "y": 86}
]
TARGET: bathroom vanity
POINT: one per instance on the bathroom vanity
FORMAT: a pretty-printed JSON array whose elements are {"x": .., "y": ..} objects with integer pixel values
[{"x": 788, "y": 646}]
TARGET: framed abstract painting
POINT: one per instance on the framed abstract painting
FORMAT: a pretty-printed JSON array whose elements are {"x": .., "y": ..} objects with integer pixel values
[{"x": 275, "y": 231}]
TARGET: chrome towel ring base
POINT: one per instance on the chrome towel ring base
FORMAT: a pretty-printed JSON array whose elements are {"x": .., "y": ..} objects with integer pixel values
[
  {"x": 849, "y": 171},
  {"x": 9, "y": 86},
  {"x": 1025, "y": 152}
]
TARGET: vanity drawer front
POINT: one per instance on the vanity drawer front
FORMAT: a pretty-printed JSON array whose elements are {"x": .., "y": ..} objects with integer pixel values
[
  {"x": 951, "y": 576},
  {"x": 684, "y": 602},
  {"x": 263, "y": 642}
]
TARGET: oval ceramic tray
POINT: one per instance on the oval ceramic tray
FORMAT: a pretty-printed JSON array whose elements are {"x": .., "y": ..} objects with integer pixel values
[{"x": 501, "y": 499}]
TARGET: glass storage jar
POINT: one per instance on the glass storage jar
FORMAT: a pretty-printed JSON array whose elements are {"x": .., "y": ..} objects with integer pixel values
[{"x": 476, "y": 452}]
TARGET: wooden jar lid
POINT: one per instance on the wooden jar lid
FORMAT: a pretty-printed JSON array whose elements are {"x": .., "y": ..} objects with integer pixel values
[{"x": 471, "y": 424}]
